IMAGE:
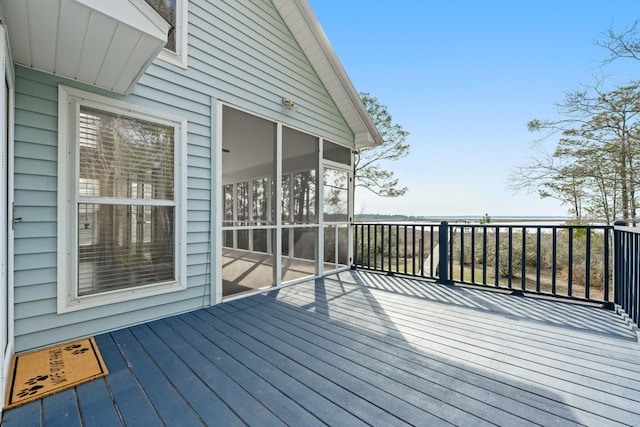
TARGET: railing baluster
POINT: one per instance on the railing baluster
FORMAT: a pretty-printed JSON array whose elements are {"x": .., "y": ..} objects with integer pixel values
[
  {"x": 510, "y": 278},
  {"x": 369, "y": 246},
  {"x": 397, "y": 248},
  {"x": 443, "y": 233},
  {"x": 538, "y": 258},
  {"x": 607, "y": 277},
  {"x": 554, "y": 260},
  {"x": 484, "y": 254},
  {"x": 397, "y": 269},
  {"x": 633, "y": 276},
  {"x": 570, "y": 267},
  {"x": 431, "y": 255},
  {"x": 413, "y": 249},
  {"x": 375, "y": 248},
  {"x": 473, "y": 254},
  {"x": 422, "y": 250},
  {"x": 587, "y": 279},
  {"x": 462, "y": 253},
  {"x": 361, "y": 242},
  {"x": 450, "y": 254},
  {"x": 497, "y": 273},
  {"x": 390, "y": 251},
  {"x": 523, "y": 266}
]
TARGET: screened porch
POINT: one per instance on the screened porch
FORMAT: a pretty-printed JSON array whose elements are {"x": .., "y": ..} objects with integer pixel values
[{"x": 286, "y": 203}]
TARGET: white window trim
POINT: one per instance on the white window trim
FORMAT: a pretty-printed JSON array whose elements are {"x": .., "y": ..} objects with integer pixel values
[
  {"x": 69, "y": 101},
  {"x": 179, "y": 57}
]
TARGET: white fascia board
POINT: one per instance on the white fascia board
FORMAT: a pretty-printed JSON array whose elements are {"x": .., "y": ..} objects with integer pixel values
[{"x": 305, "y": 27}]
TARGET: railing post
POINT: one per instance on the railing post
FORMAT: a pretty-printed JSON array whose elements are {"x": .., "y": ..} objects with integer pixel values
[
  {"x": 617, "y": 263},
  {"x": 443, "y": 249}
]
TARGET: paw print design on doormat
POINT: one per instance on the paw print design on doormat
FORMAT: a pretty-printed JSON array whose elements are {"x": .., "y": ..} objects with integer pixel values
[
  {"x": 76, "y": 349},
  {"x": 35, "y": 387}
]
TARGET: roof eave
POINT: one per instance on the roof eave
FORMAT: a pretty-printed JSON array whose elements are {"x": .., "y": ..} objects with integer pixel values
[{"x": 108, "y": 45}]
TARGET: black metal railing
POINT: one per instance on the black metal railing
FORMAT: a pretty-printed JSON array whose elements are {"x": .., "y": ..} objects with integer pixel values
[
  {"x": 627, "y": 270},
  {"x": 570, "y": 261}
]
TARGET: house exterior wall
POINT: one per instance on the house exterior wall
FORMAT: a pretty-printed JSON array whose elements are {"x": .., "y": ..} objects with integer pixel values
[{"x": 240, "y": 52}]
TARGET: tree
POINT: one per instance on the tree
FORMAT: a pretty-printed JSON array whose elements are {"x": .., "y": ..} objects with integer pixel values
[
  {"x": 593, "y": 167},
  {"x": 368, "y": 172},
  {"x": 625, "y": 44}
]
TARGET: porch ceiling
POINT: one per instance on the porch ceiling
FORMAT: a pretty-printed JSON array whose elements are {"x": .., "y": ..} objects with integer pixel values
[{"x": 107, "y": 44}]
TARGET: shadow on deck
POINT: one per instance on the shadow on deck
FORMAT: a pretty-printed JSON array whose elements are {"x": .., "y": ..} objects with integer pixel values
[{"x": 360, "y": 348}]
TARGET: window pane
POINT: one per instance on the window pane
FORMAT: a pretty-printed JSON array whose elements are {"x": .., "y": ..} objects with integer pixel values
[
  {"x": 336, "y": 195},
  {"x": 167, "y": 9},
  {"x": 124, "y": 157},
  {"x": 336, "y": 153},
  {"x": 124, "y": 246}
]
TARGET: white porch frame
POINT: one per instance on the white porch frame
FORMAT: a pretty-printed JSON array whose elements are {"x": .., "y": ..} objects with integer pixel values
[
  {"x": 7, "y": 103},
  {"x": 218, "y": 196}
]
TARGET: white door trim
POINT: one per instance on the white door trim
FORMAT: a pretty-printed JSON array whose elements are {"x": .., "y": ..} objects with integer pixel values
[{"x": 7, "y": 113}]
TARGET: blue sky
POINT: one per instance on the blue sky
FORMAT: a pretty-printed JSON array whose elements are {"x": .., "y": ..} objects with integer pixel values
[{"x": 464, "y": 77}]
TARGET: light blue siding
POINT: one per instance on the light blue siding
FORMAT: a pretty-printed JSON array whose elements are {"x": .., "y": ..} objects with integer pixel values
[{"x": 240, "y": 52}]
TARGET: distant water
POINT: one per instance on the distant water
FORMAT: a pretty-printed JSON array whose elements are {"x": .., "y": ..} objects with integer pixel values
[{"x": 460, "y": 219}]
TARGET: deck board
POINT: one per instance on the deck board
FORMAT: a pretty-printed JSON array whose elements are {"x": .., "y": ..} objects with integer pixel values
[
  {"x": 61, "y": 409},
  {"x": 207, "y": 406},
  {"x": 91, "y": 398},
  {"x": 359, "y": 348},
  {"x": 273, "y": 400},
  {"x": 480, "y": 391},
  {"x": 601, "y": 397},
  {"x": 305, "y": 396},
  {"x": 128, "y": 397}
]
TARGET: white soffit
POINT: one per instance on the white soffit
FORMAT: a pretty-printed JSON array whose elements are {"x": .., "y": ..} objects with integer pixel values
[
  {"x": 307, "y": 31},
  {"x": 103, "y": 43}
]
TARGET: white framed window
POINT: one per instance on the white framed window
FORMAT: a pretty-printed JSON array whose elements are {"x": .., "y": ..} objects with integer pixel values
[
  {"x": 121, "y": 208},
  {"x": 175, "y": 13}
]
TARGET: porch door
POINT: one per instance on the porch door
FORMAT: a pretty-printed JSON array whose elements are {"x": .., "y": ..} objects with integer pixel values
[
  {"x": 337, "y": 203},
  {"x": 337, "y": 184},
  {"x": 6, "y": 315}
]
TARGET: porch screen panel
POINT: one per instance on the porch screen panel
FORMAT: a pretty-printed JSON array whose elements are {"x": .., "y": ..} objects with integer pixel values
[
  {"x": 249, "y": 222},
  {"x": 126, "y": 203},
  {"x": 299, "y": 181},
  {"x": 300, "y": 163},
  {"x": 336, "y": 217},
  {"x": 336, "y": 240},
  {"x": 336, "y": 195},
  {"x": 336, "y": 153}
]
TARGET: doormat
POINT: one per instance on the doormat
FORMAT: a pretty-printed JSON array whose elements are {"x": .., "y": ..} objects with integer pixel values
[{"x": 41, "y": 373}]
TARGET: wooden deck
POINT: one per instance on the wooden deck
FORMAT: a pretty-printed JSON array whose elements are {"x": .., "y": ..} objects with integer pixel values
[{"x": 360, "y": 348}]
